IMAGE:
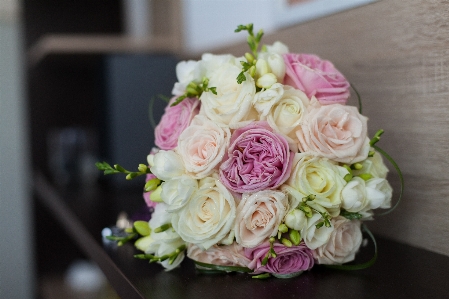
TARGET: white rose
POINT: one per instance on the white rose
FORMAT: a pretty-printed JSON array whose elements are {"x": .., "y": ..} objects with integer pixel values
[
  {"x": 265, "y": 99},
  {"x": 343, "y": 244},
  {"x": 208, "y": 216},
  {"x": 374, "y": 166},
  {"x": 202, "y": 146},
  {"x": 210, "y": 63},
  {"x": 296, "y": 219},
  {"x": 167, "y": 165},
  {"x": 315, "y": 237},
  {"x": 379, "y": 193},
  {"x": 176, "y": 192},
  {"x": 186, "y": 72},
  {"x": 287, "y": 114},
  {"x": 259, "y": 216},
  {"x": 232, "y": 103},
  {"x": 320, "y": 177},
  {"x": 353, "y": 195}
]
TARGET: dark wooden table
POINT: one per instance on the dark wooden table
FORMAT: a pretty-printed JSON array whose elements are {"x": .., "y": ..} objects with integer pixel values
[{"x": 401, "y": 271}]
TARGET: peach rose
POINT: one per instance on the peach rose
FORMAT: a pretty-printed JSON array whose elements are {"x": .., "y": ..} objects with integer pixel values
[
  {"x": 336, "y": 132},
  {"x": 343, "y": 244},
  {"x": 259, "y": 216},
  {"x": 228, "y": 255}
]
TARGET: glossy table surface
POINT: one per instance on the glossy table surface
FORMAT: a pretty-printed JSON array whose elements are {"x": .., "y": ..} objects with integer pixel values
[{"x": 401, "y": 271}]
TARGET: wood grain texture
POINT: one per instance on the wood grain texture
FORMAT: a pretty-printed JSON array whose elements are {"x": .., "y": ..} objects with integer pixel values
[{"x": 397, "y": 55}]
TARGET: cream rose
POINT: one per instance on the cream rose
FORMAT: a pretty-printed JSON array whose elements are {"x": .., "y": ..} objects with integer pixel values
[
  {"x": 202, "y": 146},
  {"x": 336, "y": 132},
  {"x": 208, "y": 216},
  {"x": 315, "y": 237},
  {"x": 259, "y": 216},
  {"x": 320, "y": 177},
  {"x": 287, "y": 114},
  {"x": 228, "y": 255},
  {"x": 176, "y": 192},
  {"x": 232, "y": 103},
  {"x": 343, "y": 244}
]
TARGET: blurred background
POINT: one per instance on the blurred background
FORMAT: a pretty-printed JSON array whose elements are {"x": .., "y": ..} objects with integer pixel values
[{"x": 76, "y": 80}]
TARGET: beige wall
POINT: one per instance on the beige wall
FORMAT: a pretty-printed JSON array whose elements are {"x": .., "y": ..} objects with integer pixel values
[{"x": 396, "y": 53}]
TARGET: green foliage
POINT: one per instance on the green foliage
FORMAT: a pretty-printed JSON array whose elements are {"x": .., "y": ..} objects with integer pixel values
[{"x": 108, "y": 169}]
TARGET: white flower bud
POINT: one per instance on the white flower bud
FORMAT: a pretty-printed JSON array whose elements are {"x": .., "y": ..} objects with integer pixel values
[
  {"x": 353, "y": 195},
  {"x": 379, "y": 193},
  {"x": 277, "y": 66},
  {"x": 167, "y": 165},
  {"x": 262, "y": 67},
  {"x": 266, "y": 81},
  {"x": 296, "y": 219}
]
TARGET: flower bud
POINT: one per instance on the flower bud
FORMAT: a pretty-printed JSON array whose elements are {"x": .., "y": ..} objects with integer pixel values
[
  {"x": 277, "y": 65},
  {"x": 142, "y": 168},
  {"x": 296, "y": 220},
  {"x": 142, "y": 228},
  {"x": 156, "y": 195},
  {"x": 262, "y": 67},
  {"x": 266, "y": 81},
  {"x": 152, "y": 184}
]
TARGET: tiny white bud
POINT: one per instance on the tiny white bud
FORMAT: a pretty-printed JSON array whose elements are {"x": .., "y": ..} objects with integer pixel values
[
  {"x": 266, "y": 81},
  {"x": 262, "y": 67}
]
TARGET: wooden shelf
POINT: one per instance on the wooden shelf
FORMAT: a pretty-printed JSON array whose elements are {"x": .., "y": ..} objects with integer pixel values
[{"x": 99, "y": 44}]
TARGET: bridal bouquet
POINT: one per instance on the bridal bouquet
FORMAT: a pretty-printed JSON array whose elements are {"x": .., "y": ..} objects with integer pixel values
[{"x": 260, "y": 166}]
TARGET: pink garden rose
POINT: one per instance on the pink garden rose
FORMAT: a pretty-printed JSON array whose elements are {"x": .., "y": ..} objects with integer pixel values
[
  {"x": 223, "y": 255},
  {"x": 288, "y": 260},
  {"x": 336, "y": 132},
  {"x": 174, "y": 121},
  {"x": 257, "y": 159},
  {"x": 316, "y": 77}
]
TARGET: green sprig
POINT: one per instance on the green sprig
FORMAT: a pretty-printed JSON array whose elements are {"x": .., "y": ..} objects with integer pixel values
[
  {"x": 171, "y": 257},
  {"x": 195, "y": 90},
  {"x": 108, "y": 169},
  {"x": 253, "y": 43}
]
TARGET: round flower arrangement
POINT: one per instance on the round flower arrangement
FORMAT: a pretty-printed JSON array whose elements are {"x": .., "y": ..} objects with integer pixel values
[{"x": 260, "y": 166}]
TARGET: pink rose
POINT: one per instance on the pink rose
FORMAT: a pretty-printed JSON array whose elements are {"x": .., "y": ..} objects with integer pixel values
[
  {"x": 335, "y": 132},
  {"x": 343, "y": 244},
  {"x": 146, "y": 195},
  {"x": 257, "y": 159},
  {"x": 288, "y": 260},
  {"x": 174, "y": 121},
  {"x": 316, "y": 77},
  {"x": 223, "y": 255}
]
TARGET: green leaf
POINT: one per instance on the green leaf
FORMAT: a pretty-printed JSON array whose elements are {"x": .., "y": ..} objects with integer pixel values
[
  {"x": 178, "y": 100},
  {"x": 223, "y": 268},
  {"x": 120, "y": 168},
  {"x": 350, "y": 215},
  {"x": 241, "y": 77}
]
